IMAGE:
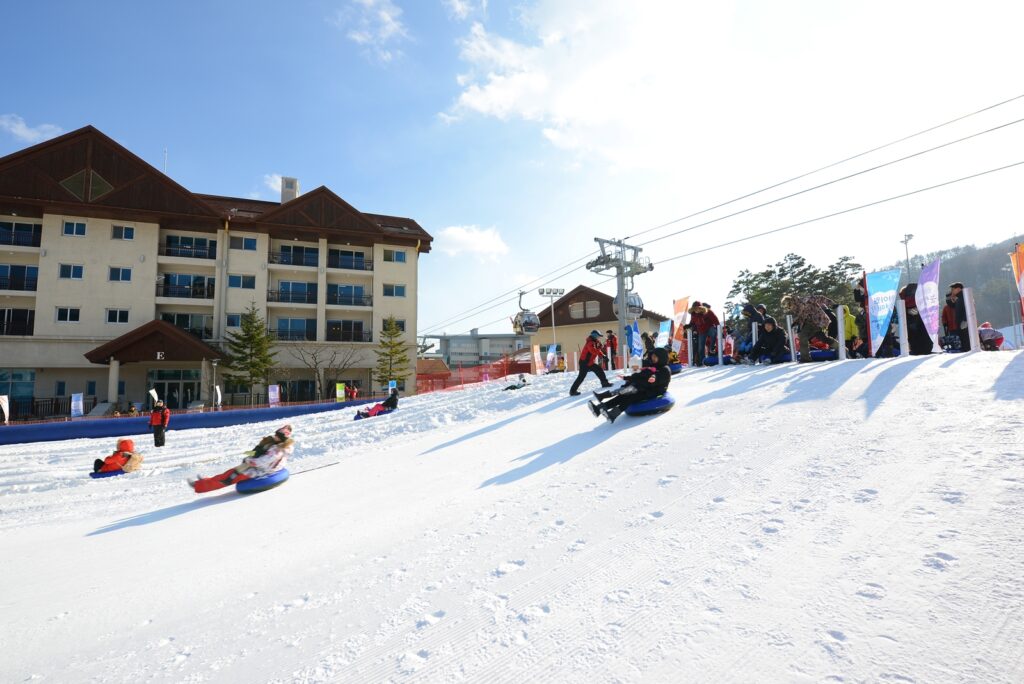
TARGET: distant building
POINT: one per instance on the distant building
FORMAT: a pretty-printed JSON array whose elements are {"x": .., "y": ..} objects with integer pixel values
[
  {"x": 115, "y": 280},
  {"x": 477, "y": 349}
]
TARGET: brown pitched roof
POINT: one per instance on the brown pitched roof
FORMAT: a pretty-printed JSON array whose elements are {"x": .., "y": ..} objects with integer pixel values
[
  {"x": 399, "y": 226},
  {"x": 154, "y": 341},
  {"x": 434, "y": 367},
  {"x": 581, "y": 294}
]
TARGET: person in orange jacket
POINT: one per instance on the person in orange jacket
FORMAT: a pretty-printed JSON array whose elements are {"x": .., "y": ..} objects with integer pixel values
[
  {"x": 124, "y": 458},
  {"x": 590, "y": 360},
  {"x": 158, "y": 421}
]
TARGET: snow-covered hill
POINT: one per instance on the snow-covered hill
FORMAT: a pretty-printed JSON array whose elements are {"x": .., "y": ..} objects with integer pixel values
[{"x": 849, "y": 521}]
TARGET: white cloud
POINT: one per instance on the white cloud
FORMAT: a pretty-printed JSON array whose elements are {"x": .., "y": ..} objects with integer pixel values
[
  {"x": 462, "y": 9},
  {"x": 16, "y": 126},
  {"x": 273, "y": 182},
  {"x": 375, "y": 25},
  {"x": 485, "y": 243}
]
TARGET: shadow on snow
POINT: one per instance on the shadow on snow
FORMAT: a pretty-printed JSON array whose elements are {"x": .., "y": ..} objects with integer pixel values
[{"x": 164, "y": 513}]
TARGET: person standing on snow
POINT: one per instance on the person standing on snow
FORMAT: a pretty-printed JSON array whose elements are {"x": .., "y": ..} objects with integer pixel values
[
  {"x": 159, "y": 419},
  {"x": 590, "y": 360},
  {"x": 810, "y": 313},
  {"x": 612, "y": 345},
  {"x": 266, "y": 458},
  {"x": 647, "y": 383}
]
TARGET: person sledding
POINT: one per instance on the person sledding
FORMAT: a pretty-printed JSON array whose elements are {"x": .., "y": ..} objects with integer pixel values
[
  {"x": 266, "y": 458},
  {"x": 517, "y": 385},
  {"x": 649, "y": 382},
  {"x": 386, "y": 406},
  {"x": 124, "y": 459}
]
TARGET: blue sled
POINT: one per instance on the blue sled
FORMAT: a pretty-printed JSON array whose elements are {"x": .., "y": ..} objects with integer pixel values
[
  {"x": 675, "y": 368},
  {"x": 109, "y": 473},
  {"x": 262, "y": 484},
  {"x": 651, "y": 406}
]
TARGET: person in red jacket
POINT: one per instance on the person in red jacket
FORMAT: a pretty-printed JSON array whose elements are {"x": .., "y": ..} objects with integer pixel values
[
  {"x": 158, "y": 421},
  {"x": 590, "y": 360},
  {"x": 124, "y": 458},
  {"x": 612, "y": 345}
]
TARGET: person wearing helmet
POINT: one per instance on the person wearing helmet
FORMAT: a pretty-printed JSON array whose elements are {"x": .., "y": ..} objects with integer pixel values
[
  {"x": 124, "y": 458},
  {"x": 590, "y": 360},
  {"x": 649, "y": 382},
  {"x": 266, "y": 458}
]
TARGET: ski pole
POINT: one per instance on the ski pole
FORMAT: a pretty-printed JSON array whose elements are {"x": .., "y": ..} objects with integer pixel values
[{"x": 317, "y": 468}]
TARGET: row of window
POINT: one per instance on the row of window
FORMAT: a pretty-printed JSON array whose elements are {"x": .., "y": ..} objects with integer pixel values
[
  {"x": 60, "y": 388},
  {"x": 117, "y": 274},
  {"x": 202, "y": 322},
  {"x": 77, "y": 229}
]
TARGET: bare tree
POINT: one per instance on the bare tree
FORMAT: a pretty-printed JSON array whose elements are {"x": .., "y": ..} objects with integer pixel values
[{"x": 322, "y": 358}]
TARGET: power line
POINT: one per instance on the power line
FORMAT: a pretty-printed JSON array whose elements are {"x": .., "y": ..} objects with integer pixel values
[
  {"x": 828, "y": 166},
  {"x": 840, "y": 213},
  {"x": 834, "y": 181}
]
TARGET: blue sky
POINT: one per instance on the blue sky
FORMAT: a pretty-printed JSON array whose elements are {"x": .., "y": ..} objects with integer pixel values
[{"x": 515, "y": 132}]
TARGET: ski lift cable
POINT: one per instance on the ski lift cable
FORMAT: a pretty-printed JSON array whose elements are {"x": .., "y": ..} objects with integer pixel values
[
  {"x": 834, "y": 181},
  {"x": 827, "y": 166},
  {"x": 482, "y": 307},
  {"x": 840, "y": 213}
]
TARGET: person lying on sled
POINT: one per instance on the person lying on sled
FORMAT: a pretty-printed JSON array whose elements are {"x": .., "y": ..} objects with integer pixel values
[
  {"x": 648, "y": 383},
  {"x": 124, "y": 458},
  {"x": 517, "y": 385},
  {"x": 266, "y": 458},
  {"x": 389, "y": 404}
]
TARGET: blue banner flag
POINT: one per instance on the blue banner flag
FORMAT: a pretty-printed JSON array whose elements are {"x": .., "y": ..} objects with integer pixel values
[
  {"x": 882, "y": 293},
  {"x": 664, "y": 333},
  {"x": 636, "y": 344}
]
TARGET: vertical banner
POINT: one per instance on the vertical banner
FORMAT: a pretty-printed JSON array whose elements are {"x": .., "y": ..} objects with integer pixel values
[
  {"x": 664, "y": 333},
  {"x": 927, "y": 300},
  {"x": 273, "y": 394},
  {"x": 680, "y": 307},
  {"x": 552, "y": 357},
  {"x": 5, "y": 406},
  {"x": 636, "y": 343},
  {"x": 1017, "y": 262},
  {"x": 77, "y": 406},
  {"x": 339, "y": 391},
  {"x": 153, "y": 394},
  {"x": 218, "y": 399},
  {"x": 536, "y": 357},
  {"x": 882, "y": 297}
]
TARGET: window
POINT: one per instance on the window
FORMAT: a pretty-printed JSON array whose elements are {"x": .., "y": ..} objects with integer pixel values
[
  {"x": 18, "y": 277},
  {"x": 234, "y": 320},
  {"x": 186, "y": 285},
  {"x": 299, "y": 255},
  {"x": 60, "y": 388},
  {"x": 72, "y": 271},
  {"x": 576, "y": 310},
  {"x": 394, "y": 290},
  {"x": 200, "y": 325},
  {"x": 118, "y": 274},
  {"x": 245, "y": 282},
  {"x": 90, "y": 388},
  {"x": 72, "y": 228},
  {"x": 344, "y": 258},
  {"x": 346, "y": 331},
  {"x": 17, "y": 383},
  {"x": 593, "y": 308},
  {"x": 346, "y": 295},
  {"x": 122, "y": 233},
  {"x": 296, "y": 328},
  {"x": 245, "y": 243},
  {"x": 395, "y": 255},
  {"x": 399, "y": 323},
  {"x": 24, "y": 234},
  {"x": 296, "y": 292},
  {"x": 117, "y": 315},
  {"x": 120, "y": 388},
  {"x": 67, "y": 315},
  {"x": 186, "y": 246}
]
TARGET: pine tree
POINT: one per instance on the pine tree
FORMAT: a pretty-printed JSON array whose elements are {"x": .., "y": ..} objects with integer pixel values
[
  {"x": 392, "y": 356},
  {"x": 249, "y": 350}
]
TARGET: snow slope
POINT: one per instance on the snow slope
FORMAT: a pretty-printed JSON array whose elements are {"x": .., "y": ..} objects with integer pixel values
[{"x": 850, "y": 521}]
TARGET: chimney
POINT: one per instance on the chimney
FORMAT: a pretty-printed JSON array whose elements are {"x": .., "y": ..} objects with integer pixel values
[{"x": 289, "y": 189}]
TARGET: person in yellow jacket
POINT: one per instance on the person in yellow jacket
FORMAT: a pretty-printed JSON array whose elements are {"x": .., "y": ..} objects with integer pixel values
[{"x": 851, "y": 332}]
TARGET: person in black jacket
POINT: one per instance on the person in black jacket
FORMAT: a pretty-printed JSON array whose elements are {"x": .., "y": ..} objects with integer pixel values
[
  {"x": 648, "y": 383},
  {"x": 955, "y": 299},
  {"x": 386, "y": 406},
  {"x": 772, "y": 345}
]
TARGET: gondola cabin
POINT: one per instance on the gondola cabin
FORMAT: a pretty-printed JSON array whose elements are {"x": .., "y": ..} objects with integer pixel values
[
  {"x": 526, "y": 323},
  {"x": 634, "y": 306}
]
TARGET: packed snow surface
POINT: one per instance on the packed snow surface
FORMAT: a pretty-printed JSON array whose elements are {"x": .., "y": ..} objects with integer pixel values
[{"x": 854, "y": 521}]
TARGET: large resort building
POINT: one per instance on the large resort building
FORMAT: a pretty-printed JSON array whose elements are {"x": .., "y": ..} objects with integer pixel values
[{"x": 115, "y": 280}]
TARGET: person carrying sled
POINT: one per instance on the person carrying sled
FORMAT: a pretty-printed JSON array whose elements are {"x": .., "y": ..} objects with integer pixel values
[
  {"x": 649, "y": 382},
  {"x": 266, "y": 458},
  {"x": 809, "y": 312},
  {"x": 124, "y": 458},
  {"x": 159, "y": 419},
  {"x": 590, "y": 360},
  {"x": 389, "y": 404},
  {"x": 772, "y": 345}
]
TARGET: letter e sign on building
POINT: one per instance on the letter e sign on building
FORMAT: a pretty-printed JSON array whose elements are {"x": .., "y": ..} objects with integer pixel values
[{"x": 159, "y": 356}]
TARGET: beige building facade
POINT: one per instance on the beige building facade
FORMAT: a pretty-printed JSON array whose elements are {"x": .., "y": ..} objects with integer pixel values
[{"x": 95, "y": 243}]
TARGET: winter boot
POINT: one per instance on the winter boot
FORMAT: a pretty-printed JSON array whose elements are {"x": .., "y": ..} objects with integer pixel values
[
  {"x": 595, "y": 408},
  {"x": 612, "y": 413},
  {"x": 603, "y": 395}
]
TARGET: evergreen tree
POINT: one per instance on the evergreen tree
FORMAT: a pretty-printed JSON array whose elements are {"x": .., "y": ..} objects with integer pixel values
[
  {"x": 250, "y": 357},
  {"x": 392, "y": 356}
]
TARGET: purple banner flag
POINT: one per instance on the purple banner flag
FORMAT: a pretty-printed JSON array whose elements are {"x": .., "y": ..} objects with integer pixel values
[{"x": 927, "y": 299}]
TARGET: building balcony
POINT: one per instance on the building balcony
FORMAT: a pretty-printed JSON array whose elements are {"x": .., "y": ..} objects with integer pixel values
[
  {"x": 285, "y": 297},
  {"x": 293, "y": 335},
  {"x": 18, "y": 284},
  {"x": 15, "y": 239},
  {"x": 348, "y": 336},
  {"x": 349, "y": 300},
  {"x": 187, "y": 252},
  {"x": 204, "y": 333},
  {"x": 184, "y": 292},
  {"x": 17, "y": 328},
  {"x": 350, "y": 263},
  {"x": 290, "y": 259}
]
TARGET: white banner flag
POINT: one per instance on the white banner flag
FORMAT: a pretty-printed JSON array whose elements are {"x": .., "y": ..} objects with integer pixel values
[
  {"x": 216, "y": 391},
  {"x": 273, "y": 395},
  {"x": 5, "y": 406},
  {"x": 152, "y": 393},
  {"x": 77, "y": 406}
]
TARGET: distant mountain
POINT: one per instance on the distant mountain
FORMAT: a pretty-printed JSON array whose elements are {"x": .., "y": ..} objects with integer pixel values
[{"x": 980, "y": 268}]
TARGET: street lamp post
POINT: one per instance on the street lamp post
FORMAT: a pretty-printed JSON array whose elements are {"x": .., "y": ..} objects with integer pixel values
[
  {"x": 552, "y": 293},
  {"x": 1014, "y": 305},
  {"x": 907, "y": 237}
]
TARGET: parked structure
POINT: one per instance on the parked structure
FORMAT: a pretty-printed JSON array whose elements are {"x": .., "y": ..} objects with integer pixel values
[{"x": 109, "y": 262}]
